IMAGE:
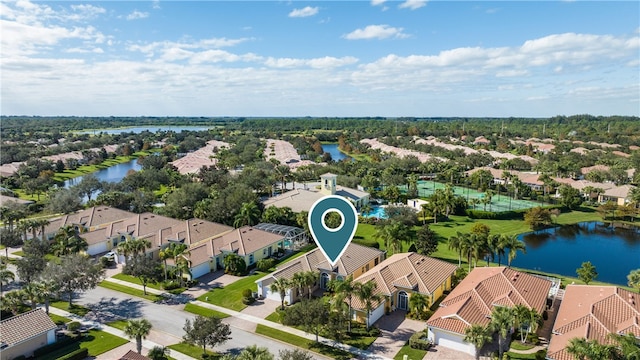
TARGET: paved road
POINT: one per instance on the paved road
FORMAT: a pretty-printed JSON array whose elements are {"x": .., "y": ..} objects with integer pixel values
[{"x": 167, "y": 320}]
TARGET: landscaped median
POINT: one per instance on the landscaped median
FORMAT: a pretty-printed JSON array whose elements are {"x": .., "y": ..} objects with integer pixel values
[{"x": 154, "y": 286}]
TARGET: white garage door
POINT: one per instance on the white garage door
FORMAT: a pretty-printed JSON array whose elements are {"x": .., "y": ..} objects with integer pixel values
[
  {"x": 377, "y": 313},
  {"x": 454, "y": 342},
  {"x": 96, "y": 249},
  {"x": 276, "y": 295},
  {"x": 200, "y": 270}
]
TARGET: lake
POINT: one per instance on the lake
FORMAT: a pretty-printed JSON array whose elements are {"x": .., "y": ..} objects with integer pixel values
[
  {"x": 613, "y": 251},
  {"x": 113, "y": 173},
  {"x": 336, "y": 154},
  {"x": 140, "y": 129}
]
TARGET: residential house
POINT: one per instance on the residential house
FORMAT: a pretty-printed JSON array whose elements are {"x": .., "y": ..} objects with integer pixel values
[
  {"x": 20, "y": 335},
  {"x": 356, "y": 260},
  {"x": 401, "y": 276},
  {"x": 472, "y": 302},
  {"x": 87, "y": 220},
  {"x": 593, "y": 312},
  {"x": 302, "y": 199},
  {"x": 621, "y": 195},
  {"x": 132, "y": 355}
]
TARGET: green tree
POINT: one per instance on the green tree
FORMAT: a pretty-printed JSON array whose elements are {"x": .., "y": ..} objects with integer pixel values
[
  {"x": 234, "y": 264},
  {"x": 426, "y": 240},
  {"x": 514, "y": 245},
  {"x": 367, "y": 294},
  {"x": 137, "y": 329},
  {"x": 501, "y": 322},
  {"x": 537, "y": 218},
  {"x": 249, "y": 214},
  {"x": 6, "y": 276},
  {"x": 455, "y": 243},
  {"x": 205, "y": 331},
  {"x": 68, "y": 241},
  {"x": 348, "y": 289},
  {"x": 13, "y": 301},
  {"x": 312, "y": 315},
  {"x": 74, "y": 273},
  {"x": 587, "y": 272},
  {"x": 392, "y": 233},
  {"x": 570, "y": 197},
  {"x": 158, "y": 353},
  {"x": 295, "y": 354},
  {"x": 254, "y": 352},
  {"x": 281, "y": 285},
  {"x": 146, "y": 269},
  {"x": 176, "y": 251},
  {"x": 633, "y": 279},
  {"x": 477, "y": 335},
  {"x": 419, "y": 304}
]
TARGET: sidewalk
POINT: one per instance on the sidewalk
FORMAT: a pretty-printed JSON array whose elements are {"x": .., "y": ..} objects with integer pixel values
[
  {"x": 134, "y": 286},
  {"x": 117, "y": 332},
  {"x": 256, "y": 320}
]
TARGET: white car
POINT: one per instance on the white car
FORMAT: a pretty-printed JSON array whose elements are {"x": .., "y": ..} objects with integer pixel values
[{"x": 110, "y": 255}]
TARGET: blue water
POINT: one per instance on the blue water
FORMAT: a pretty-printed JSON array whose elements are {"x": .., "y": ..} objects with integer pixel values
[
  {"x": 614, "y": 252},
  {"x": 336, "y": 154},
  {"x": 113, "y": 173},
  {"x": 140, "y": 129},
  {"x": 377, "y": 212}
]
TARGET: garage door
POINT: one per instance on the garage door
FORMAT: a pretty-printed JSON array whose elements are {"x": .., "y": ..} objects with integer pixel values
[
  {"x": 276, "y": 295},
  {"x": 377, "y": 313},
  {"x": 200, "y": 270},
  {"x": 454, "y": 342},
  {"x": 96, "y": 249}
]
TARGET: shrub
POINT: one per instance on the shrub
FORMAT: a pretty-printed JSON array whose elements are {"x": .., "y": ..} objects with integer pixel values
[
  {"x": 78, "y": 354},
  {"x": 420, "y": 341},
  {"x": 170, "y": 285},
  {"x": 246, "y": 292},
  {"x": 73, "y": 326},
  {"x": 248, "y": 300},
  {"x": 106, "y": 262},
  {"x": 55, "y": 346},
  {"x": 370, "y": 243},
  {"x": 265, "y": 264}
]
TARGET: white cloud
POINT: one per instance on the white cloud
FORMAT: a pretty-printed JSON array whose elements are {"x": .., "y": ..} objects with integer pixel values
[
  {"x": 377, "y": 2},
  {"x": 304, "y": 12},
  {"x": 376, "y": 32},
  {"x": 326, "y": 62},
  {"x": 413, "y": 4},
  {"x": 86, "y": 11},
  {"x": 512, "y": 73},
  {"x": 155, "y": 4},
  {"x": 135, "y": 15}
]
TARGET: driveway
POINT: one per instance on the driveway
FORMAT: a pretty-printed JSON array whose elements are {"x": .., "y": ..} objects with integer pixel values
[
  {"x": 395, "y": 331},
  {"x": 442, "y": 353},
  {"x": 209, "y": 281}
]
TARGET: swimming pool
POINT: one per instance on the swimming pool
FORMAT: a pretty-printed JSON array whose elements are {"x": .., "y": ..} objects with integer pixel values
[{"x": 376, "y": 212}]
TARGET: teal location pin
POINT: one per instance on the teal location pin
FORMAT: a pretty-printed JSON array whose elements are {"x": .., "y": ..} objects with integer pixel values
[{"x": 333, "y": 242}]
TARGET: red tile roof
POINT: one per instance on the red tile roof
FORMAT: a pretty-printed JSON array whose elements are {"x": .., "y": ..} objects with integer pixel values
[
  {"x": 593, "y": 312},
  {"x": 132, "y": 355},
  {"x": 472, "y": 301}
]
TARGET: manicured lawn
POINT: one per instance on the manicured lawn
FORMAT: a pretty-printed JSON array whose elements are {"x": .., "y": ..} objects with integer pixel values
[
  {"x": 96, "y": 341},
  {"x": 517, "y": 345},
  {"x": 323, "y": 349},
  {"x": 135, "y": 280},
  {"x": 74, "y": 309},
  {"x": 130, "y": 291},
  {"x": 191, "y": 350},
  {"x": 18, "y": 253},
  {"x": 516, "y": 356},
  {"x": 119, "y": 324},
  {"x": 87, "y": 169},
  {"x": 274, "y": 316},
  {"x": 231, "y": 296},
  {"x": 200, "y": 310},
  {"x": 413, "y": 354},
  {"x": 59, "y": 320}
]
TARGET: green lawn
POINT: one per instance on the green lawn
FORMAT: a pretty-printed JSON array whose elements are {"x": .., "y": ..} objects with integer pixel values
[
  {"x": 74, "y": 309},
  {"x": 191, "y": 350},
  {"x": 18, "y": 253},
  {"x": 413, "y": 354},
  {"x": 200, "y": 310},
  {"x": 130, "y": 291},
  {"x": 119, "y": 324},
  {"x": 135, "y": 280},
  {"x": 323, "y": 349},
  {"x": 231, "y": 296},
  {"x": 274, "y": 316},
  {"x": 96, "y": 341},
  {"x": 59, "y": 320}
]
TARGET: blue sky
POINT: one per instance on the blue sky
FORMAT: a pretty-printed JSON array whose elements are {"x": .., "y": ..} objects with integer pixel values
[{"x": 322, "y": 58}]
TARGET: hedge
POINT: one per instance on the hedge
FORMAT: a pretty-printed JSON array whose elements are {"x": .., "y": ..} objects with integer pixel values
[
  {"x": 79, "y": 354},
  {"x": 506, "y": 215},
  {"x": 370, "y": 243},
  {"x": 419, "y": 341},
  {"x": 55, "y": 346}
]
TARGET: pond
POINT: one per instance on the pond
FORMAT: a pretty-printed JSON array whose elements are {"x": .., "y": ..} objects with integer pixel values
[
  {"x": 613, "y": 251},
  {"x": 113, "y": 173},
  {"x": 140, "y": 129},
  {"x": 336, "y": 154}
]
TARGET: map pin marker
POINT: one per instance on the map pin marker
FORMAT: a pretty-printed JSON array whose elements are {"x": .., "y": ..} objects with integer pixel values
[{"x": 333, "y": 242}]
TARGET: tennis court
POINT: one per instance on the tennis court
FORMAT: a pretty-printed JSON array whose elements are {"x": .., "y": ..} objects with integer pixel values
[{"x": 499, "y": 202}]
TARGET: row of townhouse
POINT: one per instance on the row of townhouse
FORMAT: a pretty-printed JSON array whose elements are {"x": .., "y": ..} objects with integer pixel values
[{"x": 104, "y": 228}]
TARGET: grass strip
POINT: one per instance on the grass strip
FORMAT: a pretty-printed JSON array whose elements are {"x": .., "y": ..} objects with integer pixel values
[
  {"x": 301, "y": 342},
  {"x": 119, "y": 324},
  {"x": 58, "y": 320},
  {"x": 412, "y": 354},
  {"x": 74, "y": 309},
  {"x": 192, "y": 351},
  {"x": 156, "y": 286},
  {"x": 230, "y": 296},
  {"x": 96, "y": 341},
  {"x": 129, "y": 291},
  {"x": 201, "y": 310}
]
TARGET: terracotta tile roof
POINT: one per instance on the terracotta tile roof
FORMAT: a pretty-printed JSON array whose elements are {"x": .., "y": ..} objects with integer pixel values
[
  {"x": 197, "y": 230},
  {"x": 593, "y": 312},
  {"x": 410, "y": 271},
  {"x": 132, "y": 355},
  {"x": 25, "y": 326},
  {"x": 619, "y": 191},
  {"x": 92, "y": 217},
  {"x": 245, "y": 240},
  {"x": 472, "y": 301},
  {"x": 205, "y": 156},
  {"x": 588, "y": 169}
]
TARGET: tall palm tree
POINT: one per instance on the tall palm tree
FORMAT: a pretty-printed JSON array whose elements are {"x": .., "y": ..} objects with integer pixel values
[
  {"x": 47, "y": 290},
  {"x": 298, "y": 282},
  {"x": 392, "y": 235},
  {"x": 281, "y": 285},
  {"x": 13, "y": 300},
  {"x": 254, "y": 352},
  {"x": 477, "y": 335},
  {"x": 627, "y": 345},
  {"x": 137, "y": 329},
  {"x": 158, "y": 353},
  {"x": 534, "y": 321},
  {"x": 310, "y": 279},
  {"x": 521, "y": 316},
  {"x": 178, "y": 252},
  {"x": 43, "y": 224},
  {"x": 348, "y": 288},
  {"x": 493, "y": 247},
  {"x": 455, "y": 243},
  {"x": 366, "y": 293},
  {"x": 514, "y": 245},
  {"x": 68, "y": 241},
  {"x": 501, "y": 322},
  {"x": 6, "y": 276},
  {"x": 418, "y": 304},
  {"x": 633, "y": 279},
  {"x": 134, "y": 247},
  {"x": 32, "y": 293},
  {"x": 249, "y": 214}
]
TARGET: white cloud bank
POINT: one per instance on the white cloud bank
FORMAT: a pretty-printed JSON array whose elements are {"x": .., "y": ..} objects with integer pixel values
[
  {"x": 304, "y": 12},
  {"x": 376, "y": 32}
]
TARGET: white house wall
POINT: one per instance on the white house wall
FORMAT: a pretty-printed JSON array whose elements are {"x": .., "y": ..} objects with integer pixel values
[{"x": 451, "y": 340}]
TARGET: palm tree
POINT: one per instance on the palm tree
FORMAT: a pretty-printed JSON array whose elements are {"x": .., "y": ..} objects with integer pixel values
[
  {"x": 418, "y": 304},
  {"x": 455, "y": 243},
  {"x": 366, "y": 294},
  {"x": 298, "y": 282},
  {"x": 179, "y": 253},
  {"x": 514, "y": 245},
  {"x": 158, "y": 353},
  {"x": 42, "y": 223},
  {"x": 627, "y": 345},
  {"x": 501, "y": 322},
  {"x": 521, "y": 316},
  {"x": 578, "y": 347},
  {"x": 138, "y": 329},
  {"x": 12, "y": 301},
  {"x": 254, "y": 352},
  {"x": 32, "y": 293},
  {"x": 134, "y": 247},
  {"x": 68, "y": 241},
  {"x": 347, "y": 288},
  {"x": 249, "y": 214},
  {"x": 310, "y": 279},
  {"x": 281, "y": 285},
  {"x": 534, "y": 321},
  {"x": 47, "y": 289},
  {"x": 6, "y": 276},
  {"x": 493, "y": 247},
  {"x": 634, "y": 279},
  {"x": 392, "y": 235},
  {"x": 477, "y": 335}
]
